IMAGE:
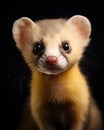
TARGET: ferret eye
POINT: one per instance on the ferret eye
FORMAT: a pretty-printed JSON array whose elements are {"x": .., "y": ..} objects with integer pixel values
[
  {"x": 66, "y": 47},
  {"x": 38, "y": 48}
]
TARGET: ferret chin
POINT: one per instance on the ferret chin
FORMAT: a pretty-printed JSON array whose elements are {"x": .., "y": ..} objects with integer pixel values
[{"x": 60, "y": 97}]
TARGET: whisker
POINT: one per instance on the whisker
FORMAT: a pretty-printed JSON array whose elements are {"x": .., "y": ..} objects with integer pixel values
[
  {"x": 19, "y": 75},
  {"x": 86, "y": 72},
  {"x": 90, "y": 64}
]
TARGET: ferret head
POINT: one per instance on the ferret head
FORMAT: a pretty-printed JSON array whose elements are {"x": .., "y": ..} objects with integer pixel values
[{"x": 52, "y": 45}]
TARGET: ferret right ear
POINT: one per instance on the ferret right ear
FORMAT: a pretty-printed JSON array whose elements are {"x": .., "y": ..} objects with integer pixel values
[
  {"x": 22, "y": 30},
  {"x": 81, "y": 24}
]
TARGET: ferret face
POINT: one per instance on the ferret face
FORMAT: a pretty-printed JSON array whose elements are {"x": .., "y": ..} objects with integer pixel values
[
  {"x": 53, "y": 45},
  {"x": 51, "y": 57}
]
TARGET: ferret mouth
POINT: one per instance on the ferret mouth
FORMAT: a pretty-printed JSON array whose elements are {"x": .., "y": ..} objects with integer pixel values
[
  {"x": 50, "y": 70},
  {"x": 51, "y": 64}
]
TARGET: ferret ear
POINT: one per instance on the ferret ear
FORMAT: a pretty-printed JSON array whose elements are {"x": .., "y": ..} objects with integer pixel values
[
  {"x": 81, "y": 24},
  {"x": 22, "y": 30}
]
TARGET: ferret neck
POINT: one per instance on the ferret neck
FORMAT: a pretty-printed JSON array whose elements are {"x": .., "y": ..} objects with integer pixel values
[{"x": 67, "y": 73}]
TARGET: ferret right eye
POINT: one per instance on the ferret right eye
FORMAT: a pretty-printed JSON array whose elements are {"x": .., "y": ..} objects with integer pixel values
[
  {"x": 38, "y": 48},
  {"x": 66, "y": 47}
]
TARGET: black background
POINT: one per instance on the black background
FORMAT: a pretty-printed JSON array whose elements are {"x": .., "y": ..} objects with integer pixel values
[{"x": 14, "y": 74}]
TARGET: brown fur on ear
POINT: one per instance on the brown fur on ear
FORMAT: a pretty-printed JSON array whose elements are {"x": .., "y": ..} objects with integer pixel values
[
  {"x": 82, "y": 24},
  {"x": 22, "y": 30}
]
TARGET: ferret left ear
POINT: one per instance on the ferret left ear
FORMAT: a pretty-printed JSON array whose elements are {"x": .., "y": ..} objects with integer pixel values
[
  {"x": 22, "y": 30},
  {"x": 81, "y": 24}
]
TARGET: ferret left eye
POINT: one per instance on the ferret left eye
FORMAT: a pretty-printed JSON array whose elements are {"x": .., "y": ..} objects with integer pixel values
[
  {"x": 65, "y": 46},
  {"x": 38, "y": 48}
]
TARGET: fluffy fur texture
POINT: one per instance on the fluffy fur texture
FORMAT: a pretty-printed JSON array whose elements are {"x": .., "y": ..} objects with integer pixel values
[{"x": 59, "y": 94}]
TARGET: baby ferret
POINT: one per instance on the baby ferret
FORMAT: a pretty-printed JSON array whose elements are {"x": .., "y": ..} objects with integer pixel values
[{"x": 60, "y": 98}]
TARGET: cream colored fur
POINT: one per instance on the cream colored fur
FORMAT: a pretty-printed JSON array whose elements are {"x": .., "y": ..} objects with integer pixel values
[{"x": 68, "y": 85}]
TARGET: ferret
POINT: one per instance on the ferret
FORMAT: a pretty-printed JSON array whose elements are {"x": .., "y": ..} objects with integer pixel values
[{"x": 60, "y": 98}]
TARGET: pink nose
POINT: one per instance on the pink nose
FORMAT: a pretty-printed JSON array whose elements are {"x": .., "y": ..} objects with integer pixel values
[{"x": 51, "y": 60}]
